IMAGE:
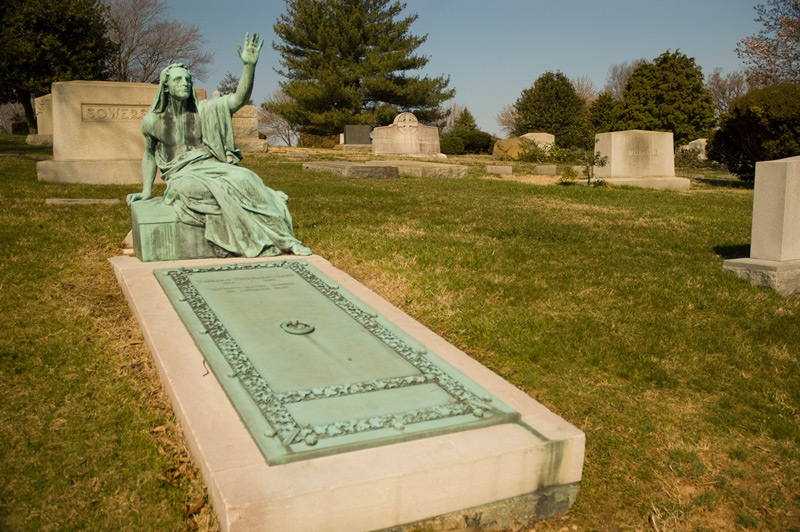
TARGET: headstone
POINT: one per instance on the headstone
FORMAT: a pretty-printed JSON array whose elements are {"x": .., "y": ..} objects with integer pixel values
[
  {"x": 698, "y": 145},
  {"x": 245, "y": 130},
  {"x": 43, "y": 107},
  {"x": 638, "y": 158},
  {"x": 543, "y": 140},
  {"x": 775, "y": 242},
  {"x": 545, "y": 169},
  {"x": 406, "y": 137},
  {"x": 499, "y": 170},
  {"x": 357, "y": 134},
  {"x": 96, "y": 132}
]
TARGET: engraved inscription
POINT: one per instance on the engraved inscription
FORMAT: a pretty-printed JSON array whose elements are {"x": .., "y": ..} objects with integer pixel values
[
  {"x": 643, "y": 153},
  {"x": 91, "y": 112}
]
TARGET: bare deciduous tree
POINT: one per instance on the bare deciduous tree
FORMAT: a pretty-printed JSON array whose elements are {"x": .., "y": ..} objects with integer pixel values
[
  {"x": 617, "y": 77},
  {"x": 773, "y": 54},
  {"x": 507, "y": 119},
  {"x": 585, "y": 88},
  {"x": 147, "y": 41},
  {"x": 277, "y": 129},
  {"x": 725, "y": 89},
  {"x": 451, "y": 110}
]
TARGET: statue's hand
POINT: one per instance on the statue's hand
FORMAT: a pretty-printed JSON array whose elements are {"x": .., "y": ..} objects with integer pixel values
[
  {"x": 252, "y": 47},
  {"x": 138, "y": 196}
]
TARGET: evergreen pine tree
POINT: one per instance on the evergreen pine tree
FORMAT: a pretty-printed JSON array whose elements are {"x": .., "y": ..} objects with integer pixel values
[
  {"x": 553, "y": 106},
  {"x": 464, "y": 123},
  {"x": 668, "y": 95},
  {"x": 603, "y": 113},
  {"x": 349, "y": 62}
]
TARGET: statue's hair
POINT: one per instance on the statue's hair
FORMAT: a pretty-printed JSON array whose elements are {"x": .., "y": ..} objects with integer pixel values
[{"x": 162, "y": 95}]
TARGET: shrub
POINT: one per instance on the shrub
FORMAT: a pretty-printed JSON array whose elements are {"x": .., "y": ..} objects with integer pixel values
[
  {"x": 533, "y": 153},
  {"x": 476, "y": 142},
  {"x": 760, "y": 126},
  {"x": 451, "y": 145}
]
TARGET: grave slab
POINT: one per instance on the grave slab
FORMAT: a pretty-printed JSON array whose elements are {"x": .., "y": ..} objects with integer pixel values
[
  {"x": 82, "y": 201},
  {"x": 515, "y": 471},
  {"x": 498, "y": 169},
  {"x": 353, "y": 169},
  {"x": 545, "y": 169},
  {"x": 425, "y": 169}
]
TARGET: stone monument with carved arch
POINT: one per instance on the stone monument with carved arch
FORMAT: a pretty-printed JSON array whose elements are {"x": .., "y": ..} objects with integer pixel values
[{"x": 406, "y": 137}]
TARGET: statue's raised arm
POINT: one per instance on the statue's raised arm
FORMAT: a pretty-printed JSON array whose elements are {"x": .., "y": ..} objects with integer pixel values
[{"x": 249, "y": 55}]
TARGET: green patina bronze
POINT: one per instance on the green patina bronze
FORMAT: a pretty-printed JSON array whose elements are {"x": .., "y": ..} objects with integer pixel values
[
  {"x": 191, "y": 142},
  {"x": 311, "y": 369}
]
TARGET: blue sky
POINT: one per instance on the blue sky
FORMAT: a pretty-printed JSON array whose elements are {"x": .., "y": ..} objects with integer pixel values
[{"x": 493, "y": 50}]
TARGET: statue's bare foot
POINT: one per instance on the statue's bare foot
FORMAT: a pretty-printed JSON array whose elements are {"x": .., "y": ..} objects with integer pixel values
[{"x": 299, "y": 249}]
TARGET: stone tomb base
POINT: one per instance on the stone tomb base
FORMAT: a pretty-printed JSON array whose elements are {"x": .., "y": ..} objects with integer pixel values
[
  {"x": 361, "y": 148},
  {"x": 781, "y": 276},
  {"x": 97, "y": 172},
  {"x": 158, "y": 234},
  {"x": 498, "y": 476}
]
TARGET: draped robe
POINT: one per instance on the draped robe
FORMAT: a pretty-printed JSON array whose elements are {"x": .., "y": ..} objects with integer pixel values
[{"x": 240, "y": 214}]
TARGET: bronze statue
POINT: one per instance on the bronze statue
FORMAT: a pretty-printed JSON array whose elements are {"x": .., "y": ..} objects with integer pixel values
[{"x": 191, "y": 142}]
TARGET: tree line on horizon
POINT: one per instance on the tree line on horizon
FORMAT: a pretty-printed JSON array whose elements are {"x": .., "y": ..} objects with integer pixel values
[{"x": 356, "y": 62}]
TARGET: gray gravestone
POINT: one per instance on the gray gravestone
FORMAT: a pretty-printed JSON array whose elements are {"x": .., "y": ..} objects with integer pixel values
[{"x": 357, "y": 134}]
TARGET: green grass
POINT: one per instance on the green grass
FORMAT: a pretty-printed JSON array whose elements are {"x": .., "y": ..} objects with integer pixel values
[{"x": 609, "y": 306}]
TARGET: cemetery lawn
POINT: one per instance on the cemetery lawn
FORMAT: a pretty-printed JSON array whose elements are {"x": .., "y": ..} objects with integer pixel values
[{"x": 607, "y": 305}]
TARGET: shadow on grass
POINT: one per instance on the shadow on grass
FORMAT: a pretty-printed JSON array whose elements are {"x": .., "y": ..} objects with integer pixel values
[
  {"x": 725, "y": 183},
  {"x": 15, "y": 146},
  {"x": 733, "y": 252}
]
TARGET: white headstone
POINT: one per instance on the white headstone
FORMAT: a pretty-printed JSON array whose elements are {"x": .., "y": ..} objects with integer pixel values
[
  {"x": 96, "y": 132},
  {"x": 406, "y": 136},
  {"x": 543, "y": 140},
  {"x": 775, "y": 242},
  {"x": 43, "y": 106},
  {"x": 776, "y": 210},
  {"x": 638, "y": 158}
]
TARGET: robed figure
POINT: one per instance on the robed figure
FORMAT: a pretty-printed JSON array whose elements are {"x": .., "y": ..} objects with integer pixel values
[{"x": 191, "y": 143}]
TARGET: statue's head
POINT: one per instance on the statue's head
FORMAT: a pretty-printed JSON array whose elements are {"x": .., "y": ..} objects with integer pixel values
[{"x": 175, "y": 82}]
